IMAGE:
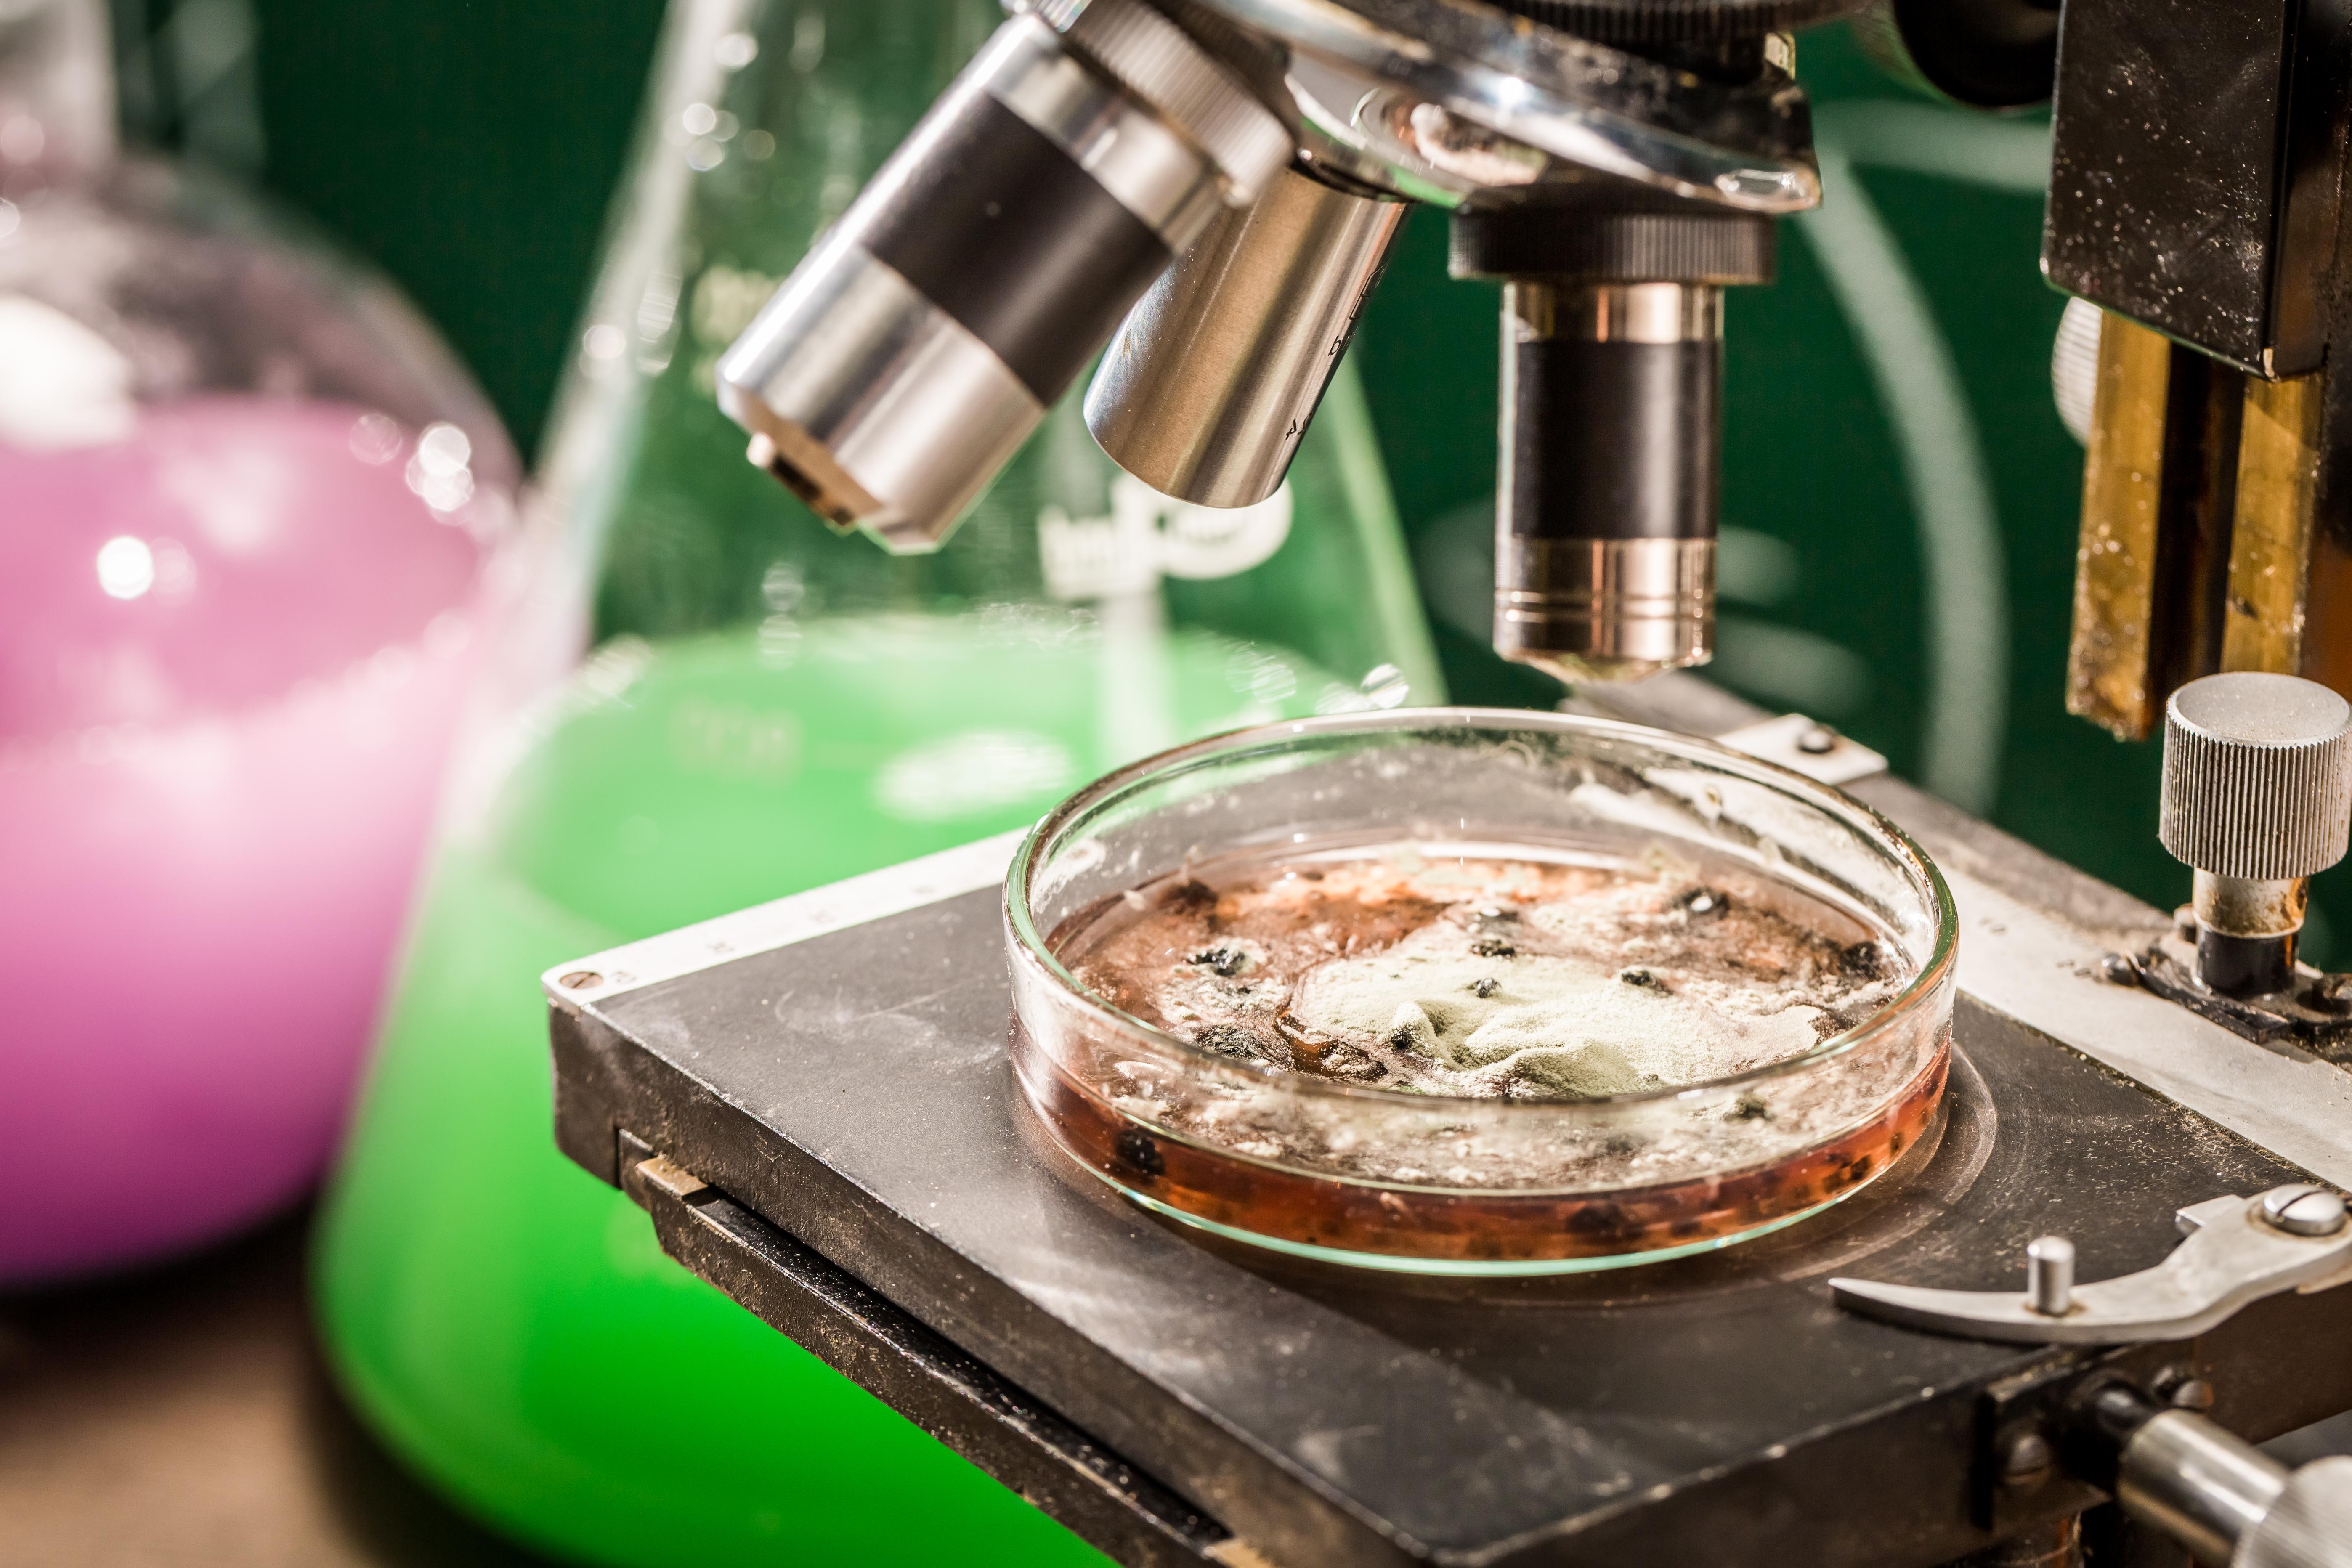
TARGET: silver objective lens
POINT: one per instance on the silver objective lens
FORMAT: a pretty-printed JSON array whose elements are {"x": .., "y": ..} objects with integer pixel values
[
  {"x": 914, "y": 349},
  {"x": 1208, "y": 387},
  {"x": 1613, "y": 391}
]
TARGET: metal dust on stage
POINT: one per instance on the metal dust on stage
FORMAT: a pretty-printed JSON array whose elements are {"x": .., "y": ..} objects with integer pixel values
[{"x": 1642, "y": 1133}]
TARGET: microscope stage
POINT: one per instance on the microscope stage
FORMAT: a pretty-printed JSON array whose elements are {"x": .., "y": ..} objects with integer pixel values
[{"x": 829, "y": 1128}]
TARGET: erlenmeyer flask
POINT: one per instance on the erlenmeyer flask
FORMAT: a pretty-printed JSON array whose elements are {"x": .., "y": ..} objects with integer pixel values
[
  {"x": 246, "y": 504},
  {"x": 765, "y": 706}
]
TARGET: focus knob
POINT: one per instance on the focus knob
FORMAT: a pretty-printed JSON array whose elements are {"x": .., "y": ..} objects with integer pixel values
[
  {"x": 2257, "y": 776},
  {"x": 2257, "y": 797}
]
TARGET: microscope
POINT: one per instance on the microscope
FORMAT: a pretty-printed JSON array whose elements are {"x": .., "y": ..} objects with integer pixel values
[
  {"x": 1196, "y": 196},
  {"x": 1211, "y": 188}
]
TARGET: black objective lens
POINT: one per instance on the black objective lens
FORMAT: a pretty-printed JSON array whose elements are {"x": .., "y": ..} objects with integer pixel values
[
  {"x": 1605, "y": 525},
  {"x": 1611, "y": 410}
]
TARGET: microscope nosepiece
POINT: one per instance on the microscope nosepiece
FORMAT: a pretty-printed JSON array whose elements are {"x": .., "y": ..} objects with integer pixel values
[{"x": 909, "y": 354}]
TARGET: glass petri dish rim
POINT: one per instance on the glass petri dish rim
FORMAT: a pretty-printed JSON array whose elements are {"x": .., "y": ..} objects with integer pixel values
[
  {"x": 1232, "y": 745},
  {"x": 1466, "y": 1268}
]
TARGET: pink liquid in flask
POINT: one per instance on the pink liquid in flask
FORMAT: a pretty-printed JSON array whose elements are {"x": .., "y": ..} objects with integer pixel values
[{"x": 232, "y": 650}]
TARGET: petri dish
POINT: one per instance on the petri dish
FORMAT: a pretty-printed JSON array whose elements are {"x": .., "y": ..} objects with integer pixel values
[{"x": 1372, "y": 1170}]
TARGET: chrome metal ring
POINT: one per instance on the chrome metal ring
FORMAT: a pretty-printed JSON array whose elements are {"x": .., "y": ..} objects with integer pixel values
[
  {"x": 1605, "y": 609},
  {"x": 1745, "y": 148},
  {"x": 1158, "y": 62},
  {"x": 1128, "y": 149}
]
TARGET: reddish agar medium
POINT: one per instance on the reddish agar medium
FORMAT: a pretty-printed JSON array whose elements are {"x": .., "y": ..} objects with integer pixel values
[{"x": 1646, "y": 997}]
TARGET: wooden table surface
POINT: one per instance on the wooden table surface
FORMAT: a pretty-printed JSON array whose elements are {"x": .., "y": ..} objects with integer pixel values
[{"x": 179, "y": 1417}]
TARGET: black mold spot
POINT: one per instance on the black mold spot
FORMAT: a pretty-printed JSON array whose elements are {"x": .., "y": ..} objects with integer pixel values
[
  {"x": 1494, "y": 947},
  {"x": 1642, "y": 978},
  {"x": 1484, "y": 988},
  {"x": 1189, "y": 895},
  {"x": 1138, "y": 1151},
  {"x": 1848, "y": 1171},
  {"x": 1226, "y": 962},
  {"x": 1598, "y": 1220},
  {"x": 1864, "y": 961}
]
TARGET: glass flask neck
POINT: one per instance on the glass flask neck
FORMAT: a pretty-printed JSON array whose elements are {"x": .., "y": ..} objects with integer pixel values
[{"x": 56, "y": 91}]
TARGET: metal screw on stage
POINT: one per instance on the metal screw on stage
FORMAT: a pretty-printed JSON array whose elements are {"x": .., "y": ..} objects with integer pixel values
[
  {"x": 2305, "y": 1211},
  {"x": 2027, "y": 1460},
  {"x": 2050, "y": 1276}
]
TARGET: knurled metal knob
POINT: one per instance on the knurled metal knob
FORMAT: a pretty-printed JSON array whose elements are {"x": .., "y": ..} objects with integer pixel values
[
  {"x": 1633, "y": 23},
  {"x": 2257, "y": 776},
  {"x": 1161, "y": 64}
]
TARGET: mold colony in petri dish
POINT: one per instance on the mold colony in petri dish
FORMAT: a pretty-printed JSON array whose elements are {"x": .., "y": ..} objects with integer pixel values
[{"x": 1626, "y": 1026}]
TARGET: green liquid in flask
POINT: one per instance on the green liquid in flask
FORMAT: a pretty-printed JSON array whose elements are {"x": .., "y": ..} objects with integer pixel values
[
  {"x": 507, "y": 1320},
  {"x": 768, "y": 708}
]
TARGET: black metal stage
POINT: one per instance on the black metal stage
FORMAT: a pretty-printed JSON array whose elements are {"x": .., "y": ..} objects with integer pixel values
[{"x": 827, "y": 1126}]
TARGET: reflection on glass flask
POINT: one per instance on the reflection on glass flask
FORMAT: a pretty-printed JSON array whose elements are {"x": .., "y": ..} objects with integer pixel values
[
  {"x": 250, "y": 503},
  {"x": 755, "y": 705}
]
